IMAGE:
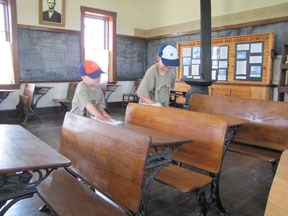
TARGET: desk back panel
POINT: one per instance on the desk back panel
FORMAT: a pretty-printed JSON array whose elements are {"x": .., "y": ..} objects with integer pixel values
[
  {"x": 116, "y": 157},
  {"x": 206, "y": 131}
]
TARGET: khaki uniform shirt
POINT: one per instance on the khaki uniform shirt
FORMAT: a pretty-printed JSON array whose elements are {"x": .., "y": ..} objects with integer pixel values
[
  {"x": 156, "y": 86},
  {"x": 83, "y": 95}
]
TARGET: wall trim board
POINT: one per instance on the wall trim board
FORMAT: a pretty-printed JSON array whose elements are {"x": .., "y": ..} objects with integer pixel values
[
  {"x": 48, "y": 29},
  {"x": 220, "y": 28},
  {"x": 132, "y": 37},
  {"x": 49, "y": 81},
  {"x": 163, "y": 36}
]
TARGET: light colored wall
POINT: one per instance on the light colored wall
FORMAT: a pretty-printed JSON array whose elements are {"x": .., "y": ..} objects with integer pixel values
[
  {"x": 141, "y": 14},
  {"x": 161, "y": 13},
  {"x": 128, "y": 15},
  {"x": 131, "y": 15}
]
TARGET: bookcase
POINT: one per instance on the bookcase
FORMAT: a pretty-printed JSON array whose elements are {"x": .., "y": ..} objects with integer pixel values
[{"x": 241, "y": 65}]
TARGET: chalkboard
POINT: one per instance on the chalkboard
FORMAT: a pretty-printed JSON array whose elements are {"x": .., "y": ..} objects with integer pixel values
[
  {"x": 130, "y": 58},
  {"x": 48, "y": 56}
]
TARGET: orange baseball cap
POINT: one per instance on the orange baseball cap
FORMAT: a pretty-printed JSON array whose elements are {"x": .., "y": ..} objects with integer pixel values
[{"x": 89, "y": 68}]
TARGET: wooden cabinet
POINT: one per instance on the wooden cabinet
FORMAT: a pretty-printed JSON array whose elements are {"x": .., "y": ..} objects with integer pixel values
[{"x": 241, "y": 91}]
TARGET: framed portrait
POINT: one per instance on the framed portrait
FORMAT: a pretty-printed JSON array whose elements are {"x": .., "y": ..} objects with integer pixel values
[{"x": 52, "y": 12}]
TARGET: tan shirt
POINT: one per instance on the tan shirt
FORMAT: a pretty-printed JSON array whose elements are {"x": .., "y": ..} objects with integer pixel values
[
  {"x": 156, "y": 86},
  {"x": 83, "y": 95}
]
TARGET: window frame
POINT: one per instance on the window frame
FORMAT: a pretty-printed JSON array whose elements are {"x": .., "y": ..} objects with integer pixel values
[
  {"x": 111, "y": 16},
  {"x": 13, "y": 39}
]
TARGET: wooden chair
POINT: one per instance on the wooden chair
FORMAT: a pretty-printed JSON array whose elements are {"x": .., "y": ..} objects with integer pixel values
[
  {"x": 25, "y": 106},
  {"x": 208, "y": 133},
  {"x": 132, "y": 96},
  {"x": 66, "y": 102}
]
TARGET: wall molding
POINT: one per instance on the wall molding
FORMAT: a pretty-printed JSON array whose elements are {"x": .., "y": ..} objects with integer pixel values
[{"x": 262, "y": 16}]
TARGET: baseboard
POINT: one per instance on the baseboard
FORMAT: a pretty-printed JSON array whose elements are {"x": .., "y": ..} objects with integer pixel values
[{"x": 7, "y": 116}]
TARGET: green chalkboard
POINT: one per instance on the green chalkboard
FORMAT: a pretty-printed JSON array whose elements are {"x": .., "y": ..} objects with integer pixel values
[{"x": 48, "y": 56}]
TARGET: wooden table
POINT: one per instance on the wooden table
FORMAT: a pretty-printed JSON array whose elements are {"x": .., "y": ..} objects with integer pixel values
[
  {"x": 25, "y": 161},
  {"x": 163, "y": 146}
]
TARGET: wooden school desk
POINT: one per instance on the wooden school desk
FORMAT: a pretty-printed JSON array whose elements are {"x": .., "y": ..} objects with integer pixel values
[
  {"x": 4, "y": 94},
  {"x": 233, "y": 124},
  {"x": 109, "y": 90},
  {"x": 163, "y": 146},
  {"x": 25, "y": 161}
]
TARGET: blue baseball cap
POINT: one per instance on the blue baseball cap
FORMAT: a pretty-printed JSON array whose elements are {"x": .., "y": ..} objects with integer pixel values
[{"x": 169, "y": 55}]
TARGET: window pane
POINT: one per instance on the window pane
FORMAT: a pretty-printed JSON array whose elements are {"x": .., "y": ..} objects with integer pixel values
[
  {"x": 94, "y": 33},
  {"x": 7, "y": 72},
  {"x": 6, "y": 63},
  {"x": 2, "y": 22},
  {"x": 95, "y": 49}
]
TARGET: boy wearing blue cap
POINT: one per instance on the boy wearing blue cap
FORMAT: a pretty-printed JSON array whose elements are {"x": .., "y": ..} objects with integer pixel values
[
  {"x": 88, "y": 99},
  {"x": 159, "y": 79}
]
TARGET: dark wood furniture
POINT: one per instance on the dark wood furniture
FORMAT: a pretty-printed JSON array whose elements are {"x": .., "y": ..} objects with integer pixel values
[
  {"x": 131, "y": 97},
  {"x": 25, "y": 162},
  {"x": 264, "y": 136},
  {"x": 205, "y": 152},
  {"x": 283, "y": 78},
  {"x": 278, "y": 195},
  {"x": 27, "y": 106},
  {"x": 66, "y": 102}
]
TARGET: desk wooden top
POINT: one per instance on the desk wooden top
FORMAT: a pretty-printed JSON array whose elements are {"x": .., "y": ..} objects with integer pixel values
[
  {"x": 20, "y": 150},
  {"x": 234, "y": 121},
  {"x": 159, "y": 138},
  {"x": 278, "y": 195}
]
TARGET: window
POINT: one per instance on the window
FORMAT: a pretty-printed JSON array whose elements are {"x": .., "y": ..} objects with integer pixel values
[
  {"x": 98, "y": 39},
  {"x": 9, "y": 77}
]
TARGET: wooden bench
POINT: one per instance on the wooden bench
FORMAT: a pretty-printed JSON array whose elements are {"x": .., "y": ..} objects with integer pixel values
[
  {"x": 66, "y": 102},
  {"x": 264, "y": 136},
  {"x": 278, "y": 195},
  {"x": 205, "y": 152},
  {"x": 112, "y": 163}
]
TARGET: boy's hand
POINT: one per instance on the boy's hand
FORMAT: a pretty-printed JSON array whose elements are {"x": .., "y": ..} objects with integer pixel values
[{"x": 106, "y": 116}]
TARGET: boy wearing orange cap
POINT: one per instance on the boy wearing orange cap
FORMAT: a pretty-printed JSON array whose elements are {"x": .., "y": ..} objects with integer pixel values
[{"x": 88, "y": 99}]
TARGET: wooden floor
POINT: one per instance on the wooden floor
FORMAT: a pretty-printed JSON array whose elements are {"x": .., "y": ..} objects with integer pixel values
[{"x": 244, "y": 182}]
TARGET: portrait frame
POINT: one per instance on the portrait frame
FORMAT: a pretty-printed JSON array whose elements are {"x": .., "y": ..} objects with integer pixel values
[{"x": 59, "y": 8}]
